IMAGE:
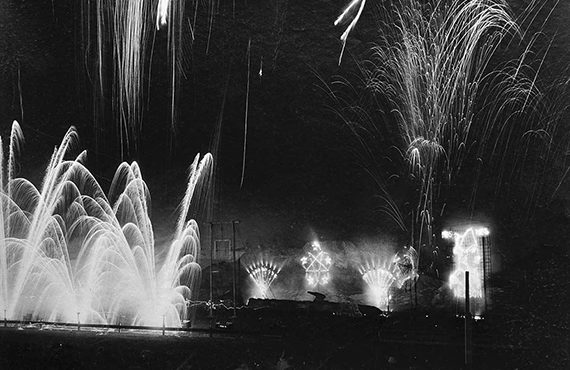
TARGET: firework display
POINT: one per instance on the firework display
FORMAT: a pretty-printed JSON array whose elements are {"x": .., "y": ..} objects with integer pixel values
[
  {"x": 68, "y": 250},
  {"x": 468, "y": 256},
  {"x": 317, "y": 264},
  {"x": 379, "y": 277},
  {"x": 383, "y": 180},
  {"x": 263, "y": 273},
  {"x": 426, "y": 79}
]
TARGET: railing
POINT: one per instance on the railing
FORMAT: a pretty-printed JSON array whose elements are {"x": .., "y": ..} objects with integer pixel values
[{"x": 119, "y": 327}]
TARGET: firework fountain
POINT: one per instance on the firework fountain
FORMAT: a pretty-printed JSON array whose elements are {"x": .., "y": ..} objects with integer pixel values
[
  {"x": 379, "y": 277},
  {"x": 382, "y": 273},
  {"x": 263, "y": 273},
  {"x": 432, "y": 79},
  {"x": 69, "y": 252}
]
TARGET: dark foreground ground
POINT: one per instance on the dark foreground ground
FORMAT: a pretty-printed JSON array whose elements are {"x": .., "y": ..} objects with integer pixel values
[{"x": 401, "y": 343}]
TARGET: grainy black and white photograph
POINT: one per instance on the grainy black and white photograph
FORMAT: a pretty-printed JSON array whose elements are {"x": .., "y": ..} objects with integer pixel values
[{"x": 285, "y": 184}]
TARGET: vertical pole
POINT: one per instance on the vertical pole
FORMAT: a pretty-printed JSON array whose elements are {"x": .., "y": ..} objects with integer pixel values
[
  {"x": 78, "y": 324},
  {"x": 119, "y": 325},
  {"x": 163, "y": 324},
  {"x": 416, "y": 291},
  {"x": 238, "y": 274},
  {"x": 211, "y": 276},
  {"x": 411, "y": 295},
  {"x": 483, "y": 247},
  {"x": 412, "y": 228},
  {"x": 5, "y": 319},
  {"x": 234, "y": 264},
  {"x": 467, "y": 323}
]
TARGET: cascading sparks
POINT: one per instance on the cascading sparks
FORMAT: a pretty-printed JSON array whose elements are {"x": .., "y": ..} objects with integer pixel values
[
  {"x": 69, "y": 252},
  {"x": 432, "y": 69},
  {"x": 118, "y": 40}
]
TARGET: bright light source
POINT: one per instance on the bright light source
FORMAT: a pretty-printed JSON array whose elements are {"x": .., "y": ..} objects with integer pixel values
[
  {"x": 448, "y": 234},
  {"x": 162, "y": 13},
  {"x": 483, "y": 231}
]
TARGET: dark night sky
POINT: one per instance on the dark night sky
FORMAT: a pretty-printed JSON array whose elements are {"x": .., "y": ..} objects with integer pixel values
[{"x": 301, "y": 172}]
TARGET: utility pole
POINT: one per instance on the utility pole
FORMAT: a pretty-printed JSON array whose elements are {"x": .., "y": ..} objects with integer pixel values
[
  {"x": 211, "y": 276},
  {"x": 483, "y": 247},
  {"x": 467, "y": 323},
  {"x": 234, "y": 267},
  {"x": 416, "y": 289},
  {"x": 221, "y": 224}
]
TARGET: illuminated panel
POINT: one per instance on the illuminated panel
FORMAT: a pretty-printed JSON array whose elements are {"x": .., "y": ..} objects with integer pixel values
[
  {"x": 317, "y": 264},
  {"x": 467, "y": 256}
]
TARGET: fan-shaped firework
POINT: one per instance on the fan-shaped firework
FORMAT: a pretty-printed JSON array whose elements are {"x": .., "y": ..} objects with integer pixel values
[
  {"x": 379, "y": 275},
  {"x": 263, "y": 272},
  {"x": 67, "y": 249}
]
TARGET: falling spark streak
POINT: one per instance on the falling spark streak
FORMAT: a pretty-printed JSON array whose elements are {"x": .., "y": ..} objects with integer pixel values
[
  {"x": 211, "y": 24},
  {"x": 120, "y": 60},
  {"x": 246, "y": 114},
  {"x": 191, "y": 29},
  {"x": 341, "y": 18},
  {"x": 162, "y": 13},
  {"x": 20, "y": 93}
]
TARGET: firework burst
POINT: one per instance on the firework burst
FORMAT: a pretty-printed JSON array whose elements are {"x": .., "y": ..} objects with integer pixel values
[{"x": 432, "y": 83}]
